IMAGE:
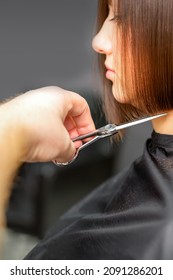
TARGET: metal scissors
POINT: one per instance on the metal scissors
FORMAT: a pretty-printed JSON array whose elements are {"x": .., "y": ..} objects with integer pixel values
[{"x": 103, "y": 132}]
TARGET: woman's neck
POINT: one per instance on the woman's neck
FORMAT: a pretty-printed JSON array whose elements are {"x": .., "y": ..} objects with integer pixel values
[{"x": 164, "y": 125}]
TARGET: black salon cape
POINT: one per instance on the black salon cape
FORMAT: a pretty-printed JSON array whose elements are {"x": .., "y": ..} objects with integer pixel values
[{"x": 128, "y": 217}]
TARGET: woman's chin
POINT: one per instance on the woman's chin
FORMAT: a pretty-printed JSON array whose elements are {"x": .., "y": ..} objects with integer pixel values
[{"x": 119, "y": 97}]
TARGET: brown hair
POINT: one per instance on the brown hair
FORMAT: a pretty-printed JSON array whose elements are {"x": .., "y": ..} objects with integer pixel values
[{"x": 149, "y": 25}]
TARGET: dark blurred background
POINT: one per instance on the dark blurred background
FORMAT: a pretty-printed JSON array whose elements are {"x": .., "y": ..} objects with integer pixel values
[{"x": 48, "y": 42}]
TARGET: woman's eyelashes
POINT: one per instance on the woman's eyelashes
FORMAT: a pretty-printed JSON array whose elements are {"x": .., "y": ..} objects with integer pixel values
[
  {"x": 112, "y": 16},
  {"x": 116, "y": 18}
]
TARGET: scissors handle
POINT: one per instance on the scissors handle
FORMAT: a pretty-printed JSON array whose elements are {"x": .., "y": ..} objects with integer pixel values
[
  {"x": 100, "y": 133},
  {"x": 96, "y": 138}
]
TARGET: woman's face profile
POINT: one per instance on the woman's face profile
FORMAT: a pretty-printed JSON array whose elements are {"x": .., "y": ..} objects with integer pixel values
[{"x": 107, "y": 42}]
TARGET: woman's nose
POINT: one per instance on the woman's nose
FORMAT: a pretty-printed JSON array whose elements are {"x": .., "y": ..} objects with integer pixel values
[{"x": 101, "y": 42}]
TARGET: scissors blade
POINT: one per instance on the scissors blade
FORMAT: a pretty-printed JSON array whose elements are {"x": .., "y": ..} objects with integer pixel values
[
  {"x": 111, "y": 129},
  {"x": 122, "y": 126},
  {"x": 82, "y": 137}
]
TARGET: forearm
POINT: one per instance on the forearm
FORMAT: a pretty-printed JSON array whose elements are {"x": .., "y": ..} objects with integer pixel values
[
  {"x": 37, "y": 127},
  {"x": 11, "y": 157}
]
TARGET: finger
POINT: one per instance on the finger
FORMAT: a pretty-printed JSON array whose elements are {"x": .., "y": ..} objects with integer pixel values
[
  {"x": 66, "y": 155},
  {"x": 72, "y": 130},
  {"x": 81, "y": 114},
  {"x": 64, "y": 149}
]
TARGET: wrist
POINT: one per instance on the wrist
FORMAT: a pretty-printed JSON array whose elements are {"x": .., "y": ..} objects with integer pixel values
[
  {"x": 12, "y": 155},
  {"x": 11, "y": 136},
  {"x": 12, "y": 152}
]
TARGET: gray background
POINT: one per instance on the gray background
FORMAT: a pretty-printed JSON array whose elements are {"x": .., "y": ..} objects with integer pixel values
[{"x": 45, "y": 42}]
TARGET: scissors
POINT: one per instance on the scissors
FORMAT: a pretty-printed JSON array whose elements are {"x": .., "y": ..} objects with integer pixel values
[{"x": 103, "y": 132}]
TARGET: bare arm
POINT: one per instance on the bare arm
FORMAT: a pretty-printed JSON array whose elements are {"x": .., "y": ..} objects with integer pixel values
[{"x": 37, "y": 126}]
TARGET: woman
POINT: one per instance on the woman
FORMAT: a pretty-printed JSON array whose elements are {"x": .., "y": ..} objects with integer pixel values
[{"x": 131, "y": 215}]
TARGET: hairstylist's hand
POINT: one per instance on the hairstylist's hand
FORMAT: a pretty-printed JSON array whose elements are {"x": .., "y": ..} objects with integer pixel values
[
  {"x": 47, "y": 118},
  {"x": 37, "y": 126}
]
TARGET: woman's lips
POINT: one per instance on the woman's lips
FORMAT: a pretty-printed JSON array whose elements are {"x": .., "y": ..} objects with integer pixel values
[{"x": 110, "y": 74}]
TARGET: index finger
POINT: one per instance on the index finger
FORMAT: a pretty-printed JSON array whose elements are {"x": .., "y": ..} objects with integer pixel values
[{"x": 81, "y": 115}]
